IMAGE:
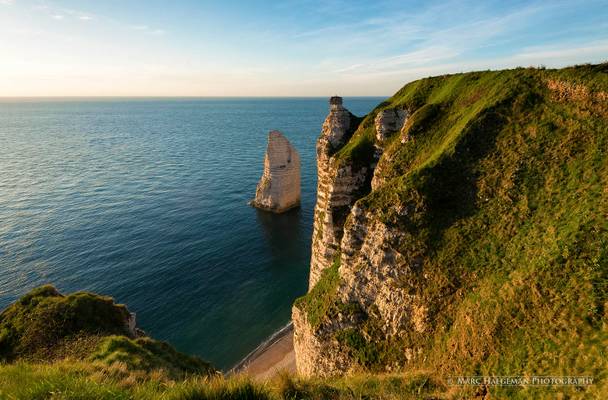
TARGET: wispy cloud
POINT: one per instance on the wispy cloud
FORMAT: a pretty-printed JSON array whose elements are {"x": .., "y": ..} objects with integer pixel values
[
  {"x": 425, "y": 44},
  {"x": 410, "y": 59},
  {"x": 7, "y": 2},
  {"x": 148, "y": 30},
  {"x": 60, "y": 13},
  {"x": 565, "y": 52},
  {"x": 66, "y": 14}
]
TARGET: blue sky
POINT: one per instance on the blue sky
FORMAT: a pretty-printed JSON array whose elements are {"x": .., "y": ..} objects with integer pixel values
[{"x": 285, "y": 48}]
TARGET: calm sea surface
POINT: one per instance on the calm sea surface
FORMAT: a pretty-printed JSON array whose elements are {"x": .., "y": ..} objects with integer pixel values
[{"x": 146, "y": 201}]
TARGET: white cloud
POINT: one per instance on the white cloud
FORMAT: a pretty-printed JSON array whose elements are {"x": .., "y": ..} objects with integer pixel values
[
  {"x": 7, "y": 2},
  {"x": 406, "y": 60},
  {"x": 564, "y": 53},
  {"x": 148, "y": 30},
  {"x": 59, "y": 13},
  {"x": 422, "y": 45}
]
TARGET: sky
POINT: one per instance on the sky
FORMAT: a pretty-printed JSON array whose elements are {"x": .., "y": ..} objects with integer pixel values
[{"x": 282, "y": 48}]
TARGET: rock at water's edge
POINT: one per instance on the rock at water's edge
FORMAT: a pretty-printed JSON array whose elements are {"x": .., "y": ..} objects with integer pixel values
[{"x": 279, "y": 187}]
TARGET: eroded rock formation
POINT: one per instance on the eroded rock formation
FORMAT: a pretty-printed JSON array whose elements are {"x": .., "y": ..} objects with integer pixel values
[
  {"x": 279, "y": 186},
  {"x": 336, "y": 187},
  {"x": 388, "y": 122},
  {"x": 367, "y": 248}
]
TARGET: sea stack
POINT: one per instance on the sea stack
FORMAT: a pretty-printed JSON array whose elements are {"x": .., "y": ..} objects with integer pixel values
[{"x": 279, "y": 187}]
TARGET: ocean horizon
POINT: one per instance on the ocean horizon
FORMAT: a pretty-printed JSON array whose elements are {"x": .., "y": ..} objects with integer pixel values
[{"x": 145, "y": 200}]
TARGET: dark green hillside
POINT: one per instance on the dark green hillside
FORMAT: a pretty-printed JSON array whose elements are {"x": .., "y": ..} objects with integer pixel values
[
  {"x": 41, "y": 321},
  {"x": 45, "y": 325},
  {"x": 506, "y": 177}
]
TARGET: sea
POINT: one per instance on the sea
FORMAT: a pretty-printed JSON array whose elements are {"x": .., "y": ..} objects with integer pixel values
[{"x": 145, "y": 200}]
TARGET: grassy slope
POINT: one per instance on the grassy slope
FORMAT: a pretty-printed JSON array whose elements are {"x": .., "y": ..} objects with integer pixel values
[
  {"x": 90, "y": 380},
  {"x": 77, "y": 347},
  {"x": 39, "y": 324},
  {"x": 45, "y": 326},
  {"x": 507, "y": 173}
]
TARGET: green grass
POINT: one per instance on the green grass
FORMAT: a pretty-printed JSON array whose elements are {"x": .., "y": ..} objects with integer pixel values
[
  {"x": 505, "y": 185},
  {"x": 43, "y": 320},
  {"x": 418, "y": 385},
  {"x": 147, "y": 354},
  {"x": 73, "y": 380},
  {"x": 70, "y": 380},
  {"x": 320, "y": 300}
]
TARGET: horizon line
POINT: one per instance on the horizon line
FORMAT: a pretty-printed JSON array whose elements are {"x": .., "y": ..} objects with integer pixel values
[{"x": 183, "y": 97}]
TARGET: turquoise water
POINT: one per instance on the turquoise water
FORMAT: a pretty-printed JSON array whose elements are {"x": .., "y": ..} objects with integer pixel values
[{"x": 146, "y": 201}]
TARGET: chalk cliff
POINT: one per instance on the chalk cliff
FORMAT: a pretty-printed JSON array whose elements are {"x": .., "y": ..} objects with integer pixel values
[
  {"x": 446, "y": 220},
  {"x": 279, "y": 186},
  {"x": 338, "y": 186}
]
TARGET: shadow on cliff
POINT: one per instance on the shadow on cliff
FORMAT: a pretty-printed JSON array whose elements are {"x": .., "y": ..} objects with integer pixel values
[{"x": 450, "y": 187}]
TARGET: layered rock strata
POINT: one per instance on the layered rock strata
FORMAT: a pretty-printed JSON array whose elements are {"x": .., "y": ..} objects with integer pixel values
[
  {"x": 337, "y": 187},
  {"x": 367, "y": 246},
  {"x": 279, "y": 186},
  {"x": 388, "y": 122}
]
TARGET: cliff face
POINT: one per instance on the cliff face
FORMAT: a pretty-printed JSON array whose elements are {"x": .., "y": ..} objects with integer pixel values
[
  {"x": 279, "y": 186},
  {"x": 337, "y": 187},
  {"x": 447, "y": 224}
]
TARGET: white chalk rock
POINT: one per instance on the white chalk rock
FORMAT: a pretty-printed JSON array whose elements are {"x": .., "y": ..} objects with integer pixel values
[
  {"x": 388, "y": 122},
  {"x": 279, "y": 187}
]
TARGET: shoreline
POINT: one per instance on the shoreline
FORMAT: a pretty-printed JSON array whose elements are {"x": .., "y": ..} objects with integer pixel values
[{"x": 273, "y": 355}]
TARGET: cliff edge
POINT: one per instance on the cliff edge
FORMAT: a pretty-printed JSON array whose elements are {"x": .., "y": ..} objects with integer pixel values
[
  {"x": 461, "y": 227},
  {"x": 338, "y": 186}
]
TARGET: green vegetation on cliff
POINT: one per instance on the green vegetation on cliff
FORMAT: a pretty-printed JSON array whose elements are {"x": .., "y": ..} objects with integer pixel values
[
  {"x": 318, "y": 304},
  {"x": 39, "y": 324},
  {"x": 46, "y": 326},
  {"x": 87, "y": 353},
  {"x": 504, "y": 175}
]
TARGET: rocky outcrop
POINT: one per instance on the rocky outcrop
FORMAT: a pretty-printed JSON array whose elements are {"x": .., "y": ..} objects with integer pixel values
[
  {"x": 378, "y": 275},
  {"x": 316, "y": 353},
  {"x": 378, "y": 279},
  {"x": 338, "y": 124},
  {"x": 388, "y": 122},
  {"x": 337, "y": 187},
  {"x": 367, "y": 248},
  {"x": 279, "y": 187}
]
